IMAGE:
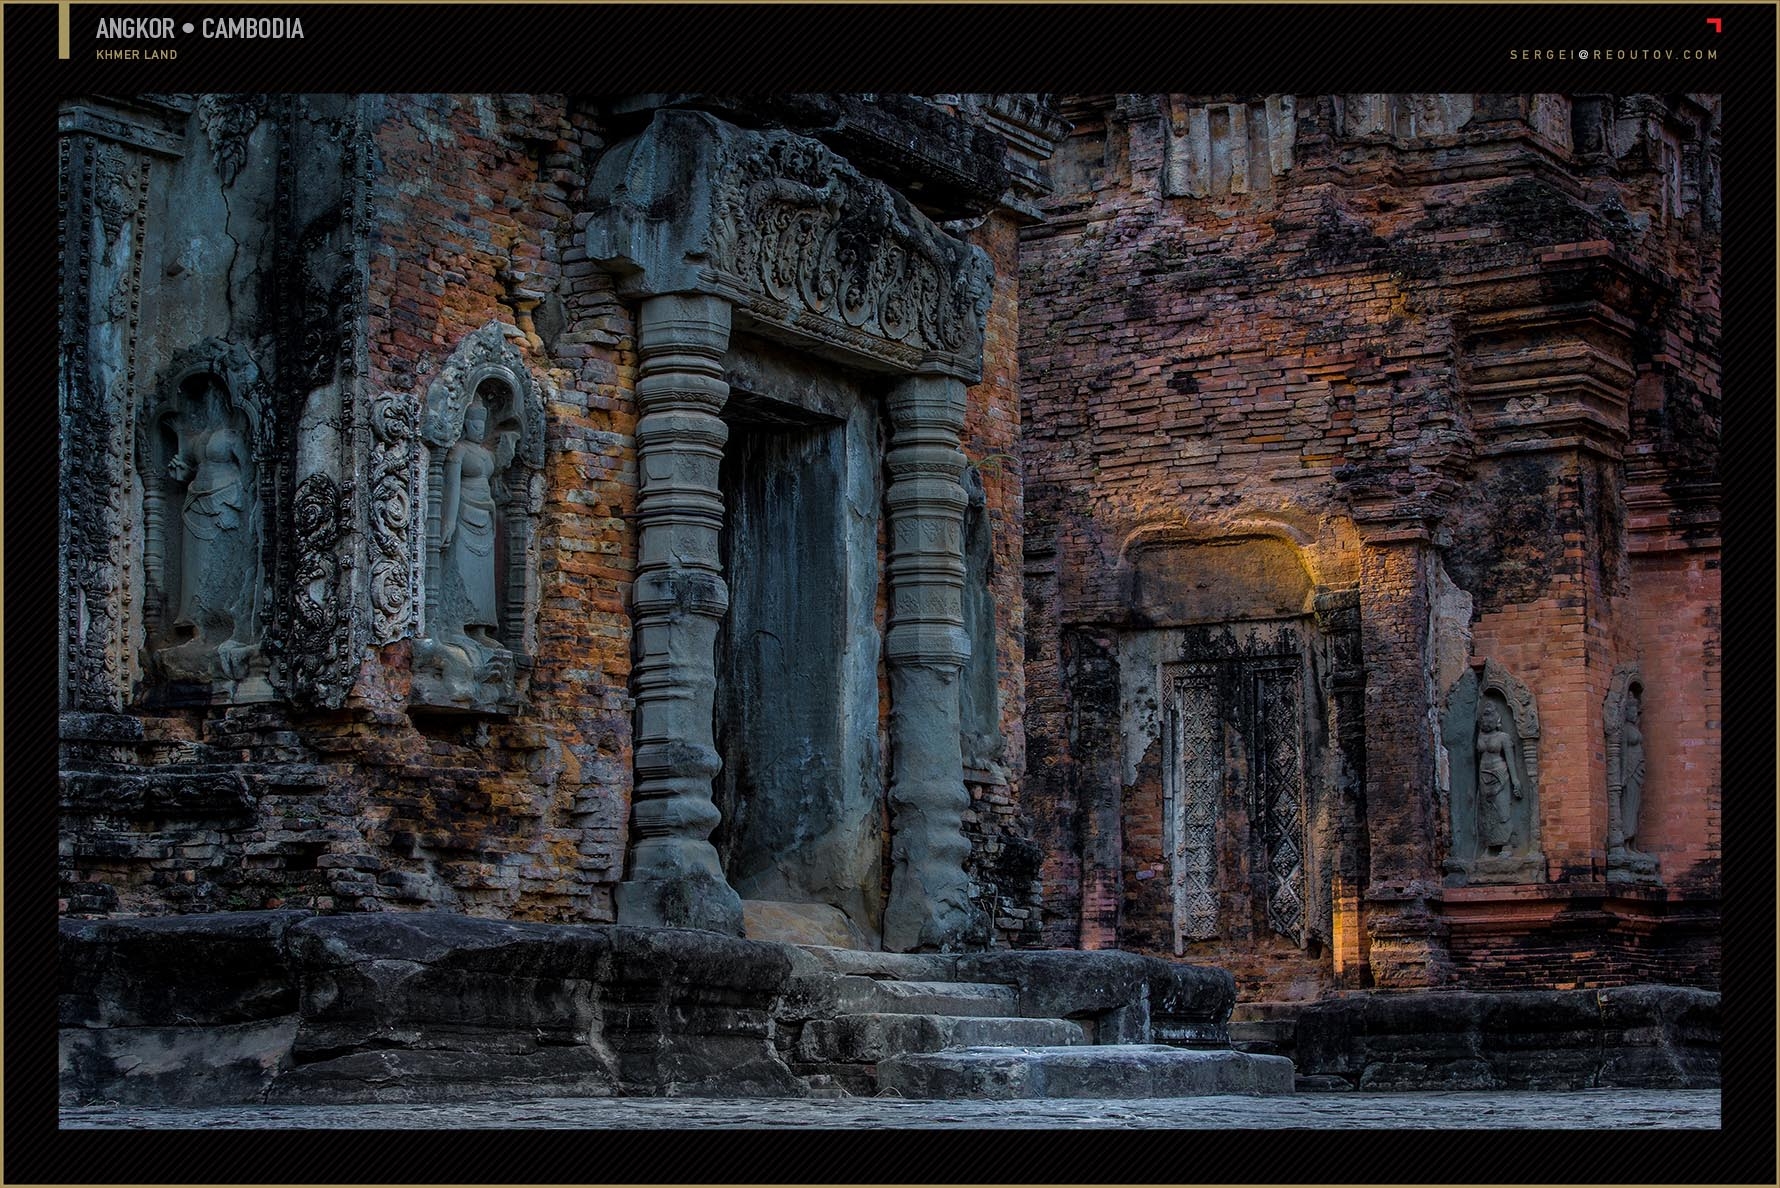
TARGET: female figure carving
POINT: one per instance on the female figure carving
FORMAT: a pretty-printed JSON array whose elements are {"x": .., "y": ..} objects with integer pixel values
[
  {"x": 1498, "y": 786},
  {"x": 216, "y": 548},
  {"x": 468, "y": 605}
]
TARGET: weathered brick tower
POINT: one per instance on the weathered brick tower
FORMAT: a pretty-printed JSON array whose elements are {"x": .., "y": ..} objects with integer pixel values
[
  {"x": 1371, "y": 536},
  {"x": 1273, "y": 531}
]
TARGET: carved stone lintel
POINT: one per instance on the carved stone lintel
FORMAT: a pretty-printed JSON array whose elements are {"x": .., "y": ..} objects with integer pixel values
[
  {"x": 795, "y": 238},
  {"x": 675, "y": 877},
  {"x": 929, "y": 905}
]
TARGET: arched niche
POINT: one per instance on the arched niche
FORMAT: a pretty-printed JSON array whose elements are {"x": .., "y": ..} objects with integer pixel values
[
  {"x": 1490, "y": 732},
  {"x": 484, "y": 439},
  {"x": 204, "y": 450}
]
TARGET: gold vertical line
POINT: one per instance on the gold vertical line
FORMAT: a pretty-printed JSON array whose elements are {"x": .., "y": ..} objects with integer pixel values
[{"x": 62, "y": 36}]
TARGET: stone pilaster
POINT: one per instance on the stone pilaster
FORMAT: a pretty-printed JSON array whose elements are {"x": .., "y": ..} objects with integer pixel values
[
  {"x": 675, "y": 879},
  {"x": 929, "y": 902},
  {"x": 1407, "y": 946}
]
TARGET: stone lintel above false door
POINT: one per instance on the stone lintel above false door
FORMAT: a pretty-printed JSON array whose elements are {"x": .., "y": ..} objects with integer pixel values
[{"x": 805, "y": 247}]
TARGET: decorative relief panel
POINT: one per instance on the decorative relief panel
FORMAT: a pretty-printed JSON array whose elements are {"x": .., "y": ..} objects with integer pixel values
[
  {"x": 1404, "y": 117},
  {"x": 1221, "y": 149},
  {"x": 103, "y": 187},
  {"x": 1279, "y": 794},
  {"x": 393, "y": 542},
  {"x": 228, "y": 122},
  {"x": 1235, "y": 770}
]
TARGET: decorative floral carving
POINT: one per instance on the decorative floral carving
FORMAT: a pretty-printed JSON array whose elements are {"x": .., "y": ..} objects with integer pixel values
[
  {"x": 114, "y": 189},
  {"x": 314, "y": 644},
  {"x": 228, "y": 121},
  {"x": 392, "y": 516}
]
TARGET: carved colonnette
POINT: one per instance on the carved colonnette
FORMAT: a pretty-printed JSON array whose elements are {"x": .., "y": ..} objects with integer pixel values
[
  {"x": 707, "y": 225},
  {"x": 926, "y": 650}
]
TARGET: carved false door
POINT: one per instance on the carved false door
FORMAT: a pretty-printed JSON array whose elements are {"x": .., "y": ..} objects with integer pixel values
[{"x": 1235, "y": 787}]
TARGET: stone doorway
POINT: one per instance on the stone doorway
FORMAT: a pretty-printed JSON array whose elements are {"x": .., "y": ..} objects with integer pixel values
[{"x": 801, "y": 788}]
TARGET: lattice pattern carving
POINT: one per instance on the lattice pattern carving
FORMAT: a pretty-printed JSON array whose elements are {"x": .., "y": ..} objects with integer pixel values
[
  {"x": 1280, "y": 797},
  {"x": 1193, "y": 818}
]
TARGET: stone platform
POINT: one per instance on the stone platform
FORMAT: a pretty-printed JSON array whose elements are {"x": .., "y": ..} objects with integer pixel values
[
  {"x": 1643, "y": 1037},
  {"x": 288, "y": 1007}
]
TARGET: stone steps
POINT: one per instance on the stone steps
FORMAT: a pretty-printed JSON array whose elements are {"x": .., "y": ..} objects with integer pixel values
[
  {"x": 1271, "y": 1037},
  {"x": 1110, "y": 1071},
  {"x": 866, "y": 1039},
  {"x": 873, "y": 996}
]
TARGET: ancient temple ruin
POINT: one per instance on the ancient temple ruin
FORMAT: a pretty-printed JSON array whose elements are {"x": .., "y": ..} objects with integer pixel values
[{"x": 1275, "y": 533}]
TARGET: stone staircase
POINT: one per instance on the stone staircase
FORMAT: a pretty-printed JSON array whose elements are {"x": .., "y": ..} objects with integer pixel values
[
  {"x": 1265, "y": 1028},
  {"x": 935, "y": 1026}
]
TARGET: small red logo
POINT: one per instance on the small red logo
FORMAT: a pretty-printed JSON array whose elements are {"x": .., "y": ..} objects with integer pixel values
[{"x": 1717, "y": 24}]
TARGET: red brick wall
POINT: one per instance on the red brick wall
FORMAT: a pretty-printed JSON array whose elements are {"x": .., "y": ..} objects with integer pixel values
[
  {"x": 473, "y": 201},
  {"x": 1005, "y": 861}
]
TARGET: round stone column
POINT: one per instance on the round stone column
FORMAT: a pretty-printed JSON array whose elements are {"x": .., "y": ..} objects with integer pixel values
[
  {"x": 675, "y": 879},
  {"x": 929, "y": 905}
]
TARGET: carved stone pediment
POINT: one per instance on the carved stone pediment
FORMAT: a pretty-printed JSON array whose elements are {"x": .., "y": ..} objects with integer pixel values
[{"x": 800, "y": 242}]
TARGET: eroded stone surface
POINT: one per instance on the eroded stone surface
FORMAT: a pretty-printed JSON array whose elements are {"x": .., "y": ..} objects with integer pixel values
[
  {"x": 1628, "y": 1109},
  {"x": 1633, "y": 1036}
]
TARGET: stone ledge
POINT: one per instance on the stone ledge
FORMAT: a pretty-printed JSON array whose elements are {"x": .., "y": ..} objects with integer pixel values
[
  {"x": 1632, "y": 1036},
  {"x": 408, "y": 1007},
  {"x": 1123, "y": 1071}
]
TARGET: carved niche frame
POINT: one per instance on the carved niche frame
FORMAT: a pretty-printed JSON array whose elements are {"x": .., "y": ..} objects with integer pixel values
[
  {"x": 233, "y": 371},
  {"x": 487, "y": 365}
]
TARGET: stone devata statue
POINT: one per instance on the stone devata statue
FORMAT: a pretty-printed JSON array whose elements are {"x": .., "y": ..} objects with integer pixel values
[
  {"x": 468, "y": 611},
  {"x": 484, "y": 439},
  {"x": 1490, "y": 731},
  {"x": 1498, "y": 787},
  {"x": 202, "y": 538},
  {"x": 1622, "y": 718}
]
